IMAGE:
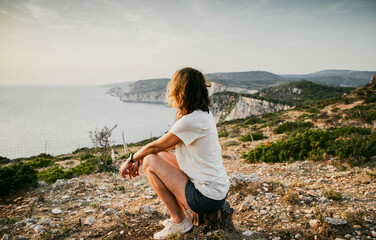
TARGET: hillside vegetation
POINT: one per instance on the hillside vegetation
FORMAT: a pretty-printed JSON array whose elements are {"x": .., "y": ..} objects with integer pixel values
[{"x": 302, "y": 92}]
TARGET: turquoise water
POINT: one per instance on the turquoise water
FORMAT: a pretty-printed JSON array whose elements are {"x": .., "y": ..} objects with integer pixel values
[{"x": 57, "y": 119}]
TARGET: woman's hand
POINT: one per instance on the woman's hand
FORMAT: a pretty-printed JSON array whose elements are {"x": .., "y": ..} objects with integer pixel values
[
  {"x": 134, "y": 169},
  {"x": 125, "y": 169}
]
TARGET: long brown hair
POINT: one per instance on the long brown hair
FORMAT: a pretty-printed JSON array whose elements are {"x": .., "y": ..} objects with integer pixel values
[{"x": 187, "y": 91}]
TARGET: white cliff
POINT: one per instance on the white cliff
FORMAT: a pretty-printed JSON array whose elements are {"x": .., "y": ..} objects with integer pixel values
[
  {"x": 146, "y": 97},
  {"x": 227, "y": 107}
]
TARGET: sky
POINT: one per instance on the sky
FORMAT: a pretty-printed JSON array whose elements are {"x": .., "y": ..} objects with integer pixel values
[{"x": 108, "y": 41}]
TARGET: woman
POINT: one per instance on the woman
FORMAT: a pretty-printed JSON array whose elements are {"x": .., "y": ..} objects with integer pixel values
[{"x": 195, "y": 178}]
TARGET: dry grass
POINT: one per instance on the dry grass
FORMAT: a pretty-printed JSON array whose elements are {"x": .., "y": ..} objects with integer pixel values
[
  {"x": 291, "y": 197},
  {"x": 333, "y": 195}
]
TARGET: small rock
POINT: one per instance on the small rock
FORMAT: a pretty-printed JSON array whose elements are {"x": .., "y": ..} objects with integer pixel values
[
  {"x": 335, "y": 221},
  {"x": 45, "y": 209},
  {"x": 298, "y": 235},
  {"x": 39, "y": 229},
  {"x": 248, "y": 233},
  {"x": 263, "y": 212},
  {"x": 270, "y": 195},
  {"x": 90, "y": 211},
  {"x": 42, "y": 183},
  {"x": 110, "y": 211},
  {"x": 254, "y": 177},
  {"x": 246, "y": 204},
  {"x": 90, "y": 221},
  {"x": 147, "y": 209},
  {"x": 373, "y": 233},
  {"x": 28, "y": 221},
  {"x": 60, "y": 182},
  {"x": 102, "y": 187},
  {"x": 314, "y": 223},
  {"x": 57, "y": 211},
  {"x": 136, "y": 184},
  {"x": 45, "y": 221},
  {"x": 347, "y": 236},
  {"x": 65, "y": 197},
  {"x": 121, "y": 232},
  {"x": 5, "y": 237}
]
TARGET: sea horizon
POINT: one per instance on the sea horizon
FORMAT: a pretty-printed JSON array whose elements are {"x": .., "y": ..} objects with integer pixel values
[{"x": 56, "y": 119}]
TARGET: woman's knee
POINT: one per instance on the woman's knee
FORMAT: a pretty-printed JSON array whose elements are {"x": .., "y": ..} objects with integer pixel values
[{"x": 149, "y": 161}]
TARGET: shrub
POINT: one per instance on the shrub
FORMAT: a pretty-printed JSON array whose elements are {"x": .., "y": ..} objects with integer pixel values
[
  {"x": 4, "y": 160},
  {"x": 313, "y": 110},
  {"x": 335, "y": 109},
  {"x": 41, "y": 162},
  {"x": 86, "y": 156},
  {"x": 370, "y": 100},
  {"x": 356, "y": 145},
  {"x": 370, "y": 117},
  {"x": 81, "y": 169},
  {"x": 78, "y": 150},
  {"x": 56, "y": 172},
  {"x": 293, "y": 126},
  {"x": 16, "y": 177},
  {"x": 252, "y": 136},
  {"x": 223, "y": 134},
  {"x": 50, "y": 175}
]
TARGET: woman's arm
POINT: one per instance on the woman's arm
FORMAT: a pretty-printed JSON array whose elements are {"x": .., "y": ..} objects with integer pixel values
[{"x": 164, "y": 143}]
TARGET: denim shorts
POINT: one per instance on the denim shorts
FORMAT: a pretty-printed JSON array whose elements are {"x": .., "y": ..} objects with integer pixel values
[{"x": 199, "y": 203}]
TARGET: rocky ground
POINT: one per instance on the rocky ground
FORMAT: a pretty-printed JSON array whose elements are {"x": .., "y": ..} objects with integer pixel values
[{"x": 300, "y": 200}]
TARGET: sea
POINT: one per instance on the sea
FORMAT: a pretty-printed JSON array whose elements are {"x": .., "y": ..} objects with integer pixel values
[{"x": 57, "y": 120}]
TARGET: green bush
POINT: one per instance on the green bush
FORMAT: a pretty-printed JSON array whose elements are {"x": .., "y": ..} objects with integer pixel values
[
  {"x": 79, "y": 150},
  {"x": 255, "y": 136},
  {"x": 370, "y": 99},
  {"x": 51, "y": 174},
  {"x": 355, "y": 145},
  {"x": 81, "y": 169},
  {"x": 41, "y": 162},
  {"x": 313, "y": 110},
  {"x": 370, "y": 117},
  {"x": 335, "y": 109},
  {"x": 223, "y": 134},
  {"x": 293, "y": 126},
  {"x": 86, "y": 156},
  {"x": 16, "y": 177},
  {"x": 56, "y": 172},
  {"x": 4, "y": 160}
]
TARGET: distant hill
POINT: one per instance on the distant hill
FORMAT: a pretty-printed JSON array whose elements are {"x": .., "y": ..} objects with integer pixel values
[
  {"x": 299, "y": 92},
  {"x": 250, "y": 80},
  {"x": 149, "y": 85},
  {"x": 334, "y": 77}
]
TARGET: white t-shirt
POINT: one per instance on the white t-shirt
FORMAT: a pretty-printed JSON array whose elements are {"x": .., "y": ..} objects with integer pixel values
[{"x": 199, "y": 155}]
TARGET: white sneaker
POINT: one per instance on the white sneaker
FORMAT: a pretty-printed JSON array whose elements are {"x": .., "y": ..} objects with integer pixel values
[
  {"x": 187, "y": 213},
  {"x": 173, "y": 228},
  {"x": 166, "y": 221}
]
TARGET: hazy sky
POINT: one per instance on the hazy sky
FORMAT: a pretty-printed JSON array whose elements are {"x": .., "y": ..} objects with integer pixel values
[{"x": 106, "y": 41}]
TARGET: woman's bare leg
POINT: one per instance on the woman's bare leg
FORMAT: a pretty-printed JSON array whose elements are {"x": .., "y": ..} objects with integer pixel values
[
  {"x": 172, "y": 158},
  {"x": 168, "y": 182}
]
